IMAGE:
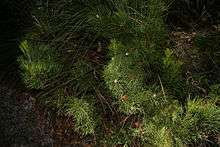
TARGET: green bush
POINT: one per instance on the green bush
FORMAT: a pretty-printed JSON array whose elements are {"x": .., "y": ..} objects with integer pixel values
[
  {"x": 83, "y": 113},
  {"x": 135, "y": 93},
  {"x": 200, "y": 120},
  {"x": 38, "y": 63},
  {"x": 172, "y": 75}
]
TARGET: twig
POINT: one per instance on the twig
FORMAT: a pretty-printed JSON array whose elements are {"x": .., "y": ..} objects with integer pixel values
[{"x": 162, "y": 86}]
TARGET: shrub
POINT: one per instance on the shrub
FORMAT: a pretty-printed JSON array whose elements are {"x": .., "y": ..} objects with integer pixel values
[
  {"x": 38, "y": 63},
  {"x": 136, "y": 83},
  {"x": 83, "y": 113}
]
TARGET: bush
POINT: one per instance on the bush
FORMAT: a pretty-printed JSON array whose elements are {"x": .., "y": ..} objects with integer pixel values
[
  {"x": 38, "y": 63},
  {"x": 137, "y": 87}
]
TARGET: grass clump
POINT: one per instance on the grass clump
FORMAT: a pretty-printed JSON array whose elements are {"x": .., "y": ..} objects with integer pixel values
[
  {"x": 82, "y": 111},
  {"x": 38, "y": 63}
]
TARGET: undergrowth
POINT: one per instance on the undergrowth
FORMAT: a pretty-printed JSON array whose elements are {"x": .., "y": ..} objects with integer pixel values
[{"x": 136, "y": 82}]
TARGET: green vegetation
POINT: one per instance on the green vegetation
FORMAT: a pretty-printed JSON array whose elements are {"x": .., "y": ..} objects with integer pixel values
[
  {"x": 37, "y": 64},
  {"x": 112, "y": 67},
  {"x": 83, "y": 113}
]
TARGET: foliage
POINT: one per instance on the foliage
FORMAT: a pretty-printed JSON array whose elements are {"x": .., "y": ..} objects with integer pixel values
[
  {"x": 152, "y": 135},
  {"x": 215, "y": 91},
  {"x": 85, "y": 76},
  {"x": 208, "y": 47},
  {"x": 200, "y": 120},
  {"x": 121, "y": 136},
  {"x": 38, "y": 63},
  {"x": 172, "y": 75},
  {"x": 124, "y": 74},
  {"x": 138, "y": 85},
  {"x": 83, "y": 114},
  {"x": 214, "y": 94}
]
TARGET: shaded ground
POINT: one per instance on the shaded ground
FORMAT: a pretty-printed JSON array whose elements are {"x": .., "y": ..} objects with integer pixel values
[{"x": 24, "y": 123}]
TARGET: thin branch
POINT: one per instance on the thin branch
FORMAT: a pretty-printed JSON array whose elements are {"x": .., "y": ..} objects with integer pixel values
[{"x": 161, "y": 84}]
